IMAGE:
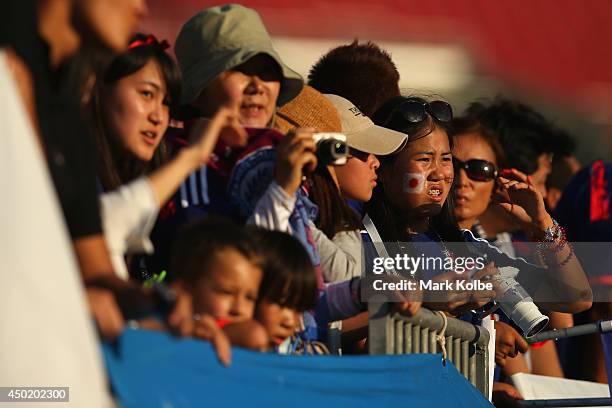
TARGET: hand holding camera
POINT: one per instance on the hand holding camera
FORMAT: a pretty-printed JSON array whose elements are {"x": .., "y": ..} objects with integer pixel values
[
  {"x": 302, "y": 150},
  {"x": 295, "y": 153}
]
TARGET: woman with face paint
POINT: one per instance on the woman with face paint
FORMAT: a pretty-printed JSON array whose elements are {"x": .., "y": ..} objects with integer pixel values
[{"x": 414, "y": 203}]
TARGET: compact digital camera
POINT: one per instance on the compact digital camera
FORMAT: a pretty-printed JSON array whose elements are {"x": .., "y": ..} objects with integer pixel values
[{"x": 332, "y": 148}]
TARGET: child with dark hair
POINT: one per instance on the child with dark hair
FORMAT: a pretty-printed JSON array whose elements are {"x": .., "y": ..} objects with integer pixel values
[
  {"x": 218, "y": 264},
  {"x": 288, "y": 287},
  {"x": 362, "y": 73}
]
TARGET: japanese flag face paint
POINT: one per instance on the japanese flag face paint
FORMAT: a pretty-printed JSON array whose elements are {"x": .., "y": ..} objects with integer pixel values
[
  {"x": 419, "y": 179},
  {"x": 413, "y": 183}
]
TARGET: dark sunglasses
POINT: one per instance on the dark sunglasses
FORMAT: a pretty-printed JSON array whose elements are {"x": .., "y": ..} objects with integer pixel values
[
  {"x": 414, "y": 111},
  {"x": 478, "y": 170}
]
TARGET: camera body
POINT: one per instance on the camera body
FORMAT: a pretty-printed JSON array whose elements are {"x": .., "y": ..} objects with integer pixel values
[{"x": 332, "y": 148}]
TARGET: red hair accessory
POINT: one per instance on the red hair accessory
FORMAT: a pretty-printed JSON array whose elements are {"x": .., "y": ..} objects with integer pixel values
[{"x": 149, "y": 40}]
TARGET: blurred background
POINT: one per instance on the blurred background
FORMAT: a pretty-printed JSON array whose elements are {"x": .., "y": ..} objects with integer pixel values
[{"x": 553, "y": 54}]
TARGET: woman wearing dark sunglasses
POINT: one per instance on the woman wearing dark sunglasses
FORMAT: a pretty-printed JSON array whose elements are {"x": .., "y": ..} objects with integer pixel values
[{"x": 477, "y": 155}]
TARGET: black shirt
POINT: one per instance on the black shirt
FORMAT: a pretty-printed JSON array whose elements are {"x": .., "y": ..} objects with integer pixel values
[{"x": 69, "y": 145}]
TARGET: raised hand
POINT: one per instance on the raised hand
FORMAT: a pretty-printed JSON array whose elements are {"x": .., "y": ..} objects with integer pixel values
[
  {"x": 522, "y": 201},
  {"x": 205, "y": 133},
  {"x": 295, "y": 153}
]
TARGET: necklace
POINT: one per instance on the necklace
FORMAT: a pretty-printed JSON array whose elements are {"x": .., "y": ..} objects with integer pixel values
[{"x": 445, "y": 251}]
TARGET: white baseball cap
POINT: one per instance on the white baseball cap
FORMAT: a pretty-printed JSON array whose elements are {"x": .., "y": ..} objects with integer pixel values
[{"x": 362, "y": 134}]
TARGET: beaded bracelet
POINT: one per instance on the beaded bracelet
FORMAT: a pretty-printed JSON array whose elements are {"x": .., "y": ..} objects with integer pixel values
[
  {"x": 566, "y": 260},
  {"x": 555, "y": 241},
  {"x": 554, "y": 233},
  {"x": 569, "y": 258}
]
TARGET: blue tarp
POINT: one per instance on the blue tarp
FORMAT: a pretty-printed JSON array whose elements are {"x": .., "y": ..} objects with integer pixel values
[{"x": 151, "y": 369}]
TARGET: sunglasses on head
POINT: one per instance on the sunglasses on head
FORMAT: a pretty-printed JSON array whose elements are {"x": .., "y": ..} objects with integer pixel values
[
  {"x": 478, "y": 170},
  {"x": 415, "y": 111}
]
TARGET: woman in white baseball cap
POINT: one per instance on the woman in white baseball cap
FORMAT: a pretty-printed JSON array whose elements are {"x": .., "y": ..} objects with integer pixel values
[{"x": 336, "y": 186}]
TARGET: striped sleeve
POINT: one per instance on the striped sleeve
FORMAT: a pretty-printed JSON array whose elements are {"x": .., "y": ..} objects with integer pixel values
[{"x": 194, "y": 190}]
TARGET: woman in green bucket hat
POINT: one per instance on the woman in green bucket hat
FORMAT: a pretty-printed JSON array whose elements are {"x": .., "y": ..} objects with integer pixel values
[{"x": 227, "y": 58}]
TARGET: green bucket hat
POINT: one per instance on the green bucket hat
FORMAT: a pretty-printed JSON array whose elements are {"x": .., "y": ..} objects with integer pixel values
[{"x": 220, "y": 38}]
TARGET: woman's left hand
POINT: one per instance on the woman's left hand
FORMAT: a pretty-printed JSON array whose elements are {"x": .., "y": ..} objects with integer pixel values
[{"x": 520, "y": 199}]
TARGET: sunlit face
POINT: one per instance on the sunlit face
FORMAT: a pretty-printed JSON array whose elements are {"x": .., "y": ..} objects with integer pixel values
[
  {"x": 229, "y": 289},
  {"x": 357, "y": 178},
  {"x": 253, "y": 87},
  {"x": 110, "y": 22},
  {"x": 280, "y": 322},
  {"x": 419, "y": 180},
  {"x": 538, "y": 179},
  {"x": 472, "y": 197},
  {"x": 136, "y": 112}
]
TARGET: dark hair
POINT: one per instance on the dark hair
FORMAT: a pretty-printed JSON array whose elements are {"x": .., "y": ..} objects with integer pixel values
[
  {"x": 463, "y": 125},
  {"x": 385, "y": 217},
  {"x": 199, "y": 242},
  {"x": 523, "y": 133},
  {"x": 289, "y": 278},
  {"x": 362, "y": 73},
  {"x": 115, "y": 167},
  {"x": 334, "y": 214},
  {"x": 560, "y": 172}
]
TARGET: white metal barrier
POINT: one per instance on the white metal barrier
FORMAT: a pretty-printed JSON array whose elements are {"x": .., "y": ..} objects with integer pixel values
[{"x": 466, "y": 344}]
